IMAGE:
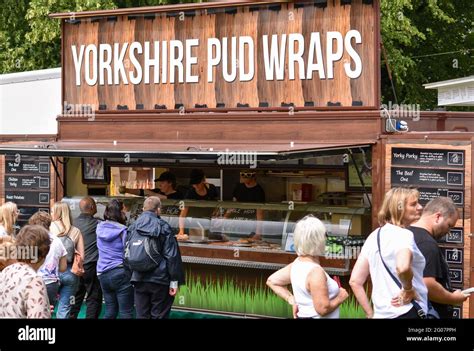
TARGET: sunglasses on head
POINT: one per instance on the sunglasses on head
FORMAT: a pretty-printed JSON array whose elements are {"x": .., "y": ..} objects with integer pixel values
[{"x": 247, "y": 174}]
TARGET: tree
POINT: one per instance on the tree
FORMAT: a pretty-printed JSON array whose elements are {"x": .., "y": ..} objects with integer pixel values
[
  {"x": 31, "y": 40},
  {"x": 426, "y": 41}
]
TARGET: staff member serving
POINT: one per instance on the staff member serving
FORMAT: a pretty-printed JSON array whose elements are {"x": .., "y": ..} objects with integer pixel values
[
  {"x": 166, "y": 188},
  {"x": 200, "y": 190}
]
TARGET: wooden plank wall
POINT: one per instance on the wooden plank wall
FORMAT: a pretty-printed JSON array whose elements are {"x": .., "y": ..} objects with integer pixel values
[
  {"x": 466, "y": 224},
  {"x": 245, "y": 23}
]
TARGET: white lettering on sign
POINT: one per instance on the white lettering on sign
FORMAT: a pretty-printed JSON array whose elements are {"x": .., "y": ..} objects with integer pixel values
[
  {"x": 118, "y": 63},
  {"x": 105, "y": 59},
  {"x": 274, "y": 59},
  {"x": 331, "y": 55},
  {"x": 315, "y": 51},
  {"x": 135, "y": 76},
  {"x": 285, "y": 56}
]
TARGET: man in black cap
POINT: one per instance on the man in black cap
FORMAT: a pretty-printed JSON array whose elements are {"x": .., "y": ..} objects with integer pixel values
[
  {"x": 166, "y": 188},
  {"x": 200, "y": 190}
]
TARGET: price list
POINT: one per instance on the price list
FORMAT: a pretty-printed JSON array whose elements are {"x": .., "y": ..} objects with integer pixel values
[
  {"x": 436, "y": 173},
  {"x": 27, "y": 183}
]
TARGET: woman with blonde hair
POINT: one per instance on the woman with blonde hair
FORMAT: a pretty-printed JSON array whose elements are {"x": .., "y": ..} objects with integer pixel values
[
  {"x": 71, "y": 237},
  {"x": 8, "y": 217},
  {"x": 316, "y": 294},
  {"x": 394, "y": 262}
]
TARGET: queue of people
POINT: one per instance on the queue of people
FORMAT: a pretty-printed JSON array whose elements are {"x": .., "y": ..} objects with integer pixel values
[
  {"x": 92, "y": 258},
  {"x": 50, "y": 279}
]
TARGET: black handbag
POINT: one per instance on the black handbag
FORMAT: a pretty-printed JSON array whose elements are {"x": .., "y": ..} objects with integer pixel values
[{"x": 432, "y": 314}]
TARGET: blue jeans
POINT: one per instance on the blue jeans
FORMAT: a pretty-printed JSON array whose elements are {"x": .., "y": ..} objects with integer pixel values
[
  {"x": 67, "y": 289},
  {"x": 118, "y": 293}
]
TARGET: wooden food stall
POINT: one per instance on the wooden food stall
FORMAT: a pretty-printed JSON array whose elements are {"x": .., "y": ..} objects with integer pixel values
[{"x": 290, "y": 90}]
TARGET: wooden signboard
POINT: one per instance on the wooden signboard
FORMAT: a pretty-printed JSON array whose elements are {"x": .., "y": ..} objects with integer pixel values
[
  {"x": 439, "y": 170},
  {"x": 290, "y": 54}
]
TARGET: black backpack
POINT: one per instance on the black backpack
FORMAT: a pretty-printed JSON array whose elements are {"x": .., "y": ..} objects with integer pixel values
[{"x": 142, "y": 253}]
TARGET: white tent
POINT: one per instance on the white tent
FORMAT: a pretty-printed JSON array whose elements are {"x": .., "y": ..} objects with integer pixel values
[
  {"x": 30, "y": 102},
  {"x": 454, "y": 92}
]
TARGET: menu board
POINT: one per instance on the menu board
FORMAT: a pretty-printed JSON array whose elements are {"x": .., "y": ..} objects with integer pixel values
[
  {"x": 28, "y": 184},
  {"x": 453, "y": 255},
  {"x": 455, "y": 236},
  {"x": 31, "y": 182},
  {"x": 428, "y": 177},
  {"x": 32, "y": 198},
  {"x": 457, "y": 312},
  {"x": 427, "y": 157},
  {"x": 18, "y": 164},
  {"x": 27, "y": 212},
  {"x": 435, "y": 173},
  {"x": 427, "y": 194},
  {"x": 456, "y": 275}
]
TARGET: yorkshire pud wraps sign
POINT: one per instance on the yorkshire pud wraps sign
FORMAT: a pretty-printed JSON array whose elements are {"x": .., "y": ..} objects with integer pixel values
[{"x": 291, "y": 53}]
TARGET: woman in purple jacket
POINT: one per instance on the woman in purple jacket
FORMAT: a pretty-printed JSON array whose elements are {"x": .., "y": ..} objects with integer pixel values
[{"x": 114, "y": 276}]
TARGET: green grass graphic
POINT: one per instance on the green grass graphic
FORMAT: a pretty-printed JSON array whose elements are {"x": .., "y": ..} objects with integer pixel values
[{"x": 227, "y": 296}]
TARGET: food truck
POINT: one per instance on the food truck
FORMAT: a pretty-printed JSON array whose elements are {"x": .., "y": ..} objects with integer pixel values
[{"x": 288, "y": 90}]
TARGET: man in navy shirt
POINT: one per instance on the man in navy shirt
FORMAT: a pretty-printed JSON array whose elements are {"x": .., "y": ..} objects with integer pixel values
[{"x": 439, "y": 215}]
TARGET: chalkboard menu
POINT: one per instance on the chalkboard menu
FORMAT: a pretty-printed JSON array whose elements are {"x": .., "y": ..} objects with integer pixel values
[
  {"x": 456, "y": 276},
  {"x": 428, "y": 158},
  {"x": 428, "y": 177},
  {"x": 27, "y": 183},
  {"x": 453, "y": 255},
  {"x": 18, "y": 164},
  {"x": 455, "y": 236},
  {"x": 427, "y": 194},
  {"x": 457, "y": 312},
  {"x": 27, "y": 212},
  {"x": 435, "y": 173}
]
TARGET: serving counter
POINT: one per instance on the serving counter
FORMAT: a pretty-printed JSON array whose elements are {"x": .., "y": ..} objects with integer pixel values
[{"x": 224, "y": 258}]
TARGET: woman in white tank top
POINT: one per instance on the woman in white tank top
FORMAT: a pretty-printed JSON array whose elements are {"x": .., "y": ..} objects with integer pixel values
[{"x": 316, "y": 295}]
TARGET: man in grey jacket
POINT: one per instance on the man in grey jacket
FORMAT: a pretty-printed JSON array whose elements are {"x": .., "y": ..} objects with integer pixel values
[
  {"x": 156, "y": 289},
  {"x": 89, "y": 283}
]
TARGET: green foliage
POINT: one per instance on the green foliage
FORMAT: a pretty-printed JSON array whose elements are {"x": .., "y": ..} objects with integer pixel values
[
  {"x": 426, "y": 41},
  {"x": 31, "y": 40}
]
